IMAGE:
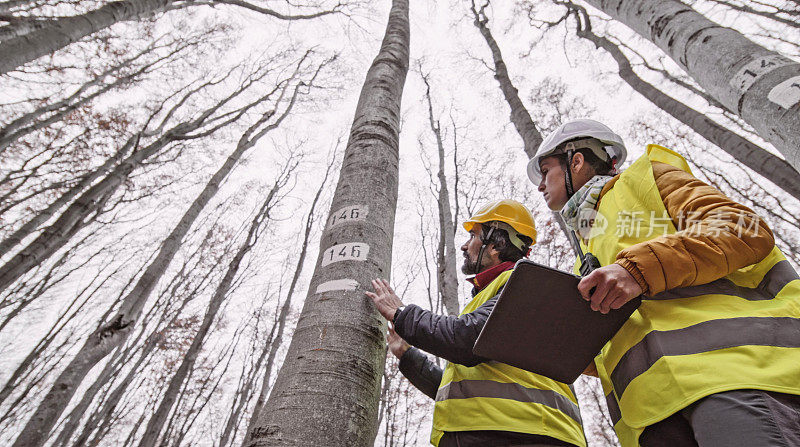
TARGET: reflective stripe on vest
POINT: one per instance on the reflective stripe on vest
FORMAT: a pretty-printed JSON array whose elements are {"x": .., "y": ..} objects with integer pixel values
[
  {"x": 741, "y": 331},
  {"x": 774, "y": 281},
  {"x": 496, "y": 396},
  {"x": 466, "y": 389},
  {"x": 613, "y": 409},
  {"x": 703, "y": 337}
]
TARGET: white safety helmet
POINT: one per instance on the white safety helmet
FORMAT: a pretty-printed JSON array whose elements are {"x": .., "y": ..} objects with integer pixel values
[{"x": 571, "y": 130}]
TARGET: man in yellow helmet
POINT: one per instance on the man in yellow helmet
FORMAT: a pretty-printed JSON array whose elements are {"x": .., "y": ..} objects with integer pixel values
[
  {"x": 712, "y": 355},
  {"x": 480, "y": 402}
]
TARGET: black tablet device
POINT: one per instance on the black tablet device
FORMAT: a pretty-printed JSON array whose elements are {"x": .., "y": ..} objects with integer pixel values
[{"x": 542, "y": 324}]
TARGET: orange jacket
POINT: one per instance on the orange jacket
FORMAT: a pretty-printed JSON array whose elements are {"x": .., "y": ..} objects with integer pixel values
[{"x": 708, "y": 244}]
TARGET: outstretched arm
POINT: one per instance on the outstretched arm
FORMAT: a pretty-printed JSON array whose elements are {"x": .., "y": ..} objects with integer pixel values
[{"x": 445, "y": 336}]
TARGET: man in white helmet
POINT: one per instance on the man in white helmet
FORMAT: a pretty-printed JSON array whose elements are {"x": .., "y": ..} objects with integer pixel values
[{"x": 712, "y": 355}]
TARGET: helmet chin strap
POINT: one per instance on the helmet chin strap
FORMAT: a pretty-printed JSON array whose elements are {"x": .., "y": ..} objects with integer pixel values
[
  {"x": 483, "y": 247},
  {"x": 568, "y": 174}
]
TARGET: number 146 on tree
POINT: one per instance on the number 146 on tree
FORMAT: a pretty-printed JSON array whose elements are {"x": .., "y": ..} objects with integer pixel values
[{"x": 352, "y": 251}]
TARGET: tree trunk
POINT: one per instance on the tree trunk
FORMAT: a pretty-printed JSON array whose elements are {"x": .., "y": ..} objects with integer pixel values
[
  {"x": 446, "y": 251},
  {"x": 275, "y": 342},
  {"x": 762, "y": 86},
  {"x": 43, "y": 216},
  {"x": 520, "y": 117},
  {"x": 80, "y": 212},
  {"x": 159, "y": 417},
  {"x": 328, "y": 389},
  {"x": 64, "y": 31},
  {"x": 115, "y": 331},
  {"x": 773, "y": 168}
]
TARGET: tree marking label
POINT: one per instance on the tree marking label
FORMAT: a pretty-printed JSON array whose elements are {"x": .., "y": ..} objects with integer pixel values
[
  {"x": 348, "y": 214},
  {"x": 787, "y": 93},
  {"x": 755, "y": 69},
  {"x": 337, "y": 284},
  {"x": 352, "y": 251}
]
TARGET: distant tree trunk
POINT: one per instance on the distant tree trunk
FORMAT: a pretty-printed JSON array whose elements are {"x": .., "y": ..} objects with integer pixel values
[
  {"x": 762, "y": 86},
  {"x": 328, "y": 389},
  {"x": 90, "y": 202},
  {"x": 283, "y": 314},
  {"x": 773, "y": 168},
  {"x": 773, "y": 14},
  {"x": 59, "y": 32},
  {"x": 86, "y": 180},
  {"x": 113, "y": 332},
  {"x": 446, "y": 251},
  {"x": 176, "y": 382},
  {"x": 66, "y": 30},
  {"x": 520, "y": 118}
]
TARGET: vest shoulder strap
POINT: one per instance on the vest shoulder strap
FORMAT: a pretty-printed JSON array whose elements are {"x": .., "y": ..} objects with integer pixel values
[{"x": 668, "y": 156}]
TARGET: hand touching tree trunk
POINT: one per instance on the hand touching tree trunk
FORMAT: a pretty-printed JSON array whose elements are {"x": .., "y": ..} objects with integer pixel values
[{"x": 328, "y": 389}]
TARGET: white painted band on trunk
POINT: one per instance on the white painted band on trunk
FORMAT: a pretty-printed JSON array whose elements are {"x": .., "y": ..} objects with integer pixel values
[
  {"x": 353, "y": 213},
  {"x": 337, "y": 284},
  {"x": 787, "y": 93},
  {"x": 757, "y": 68},
  {"x": 351, "y": 251}
]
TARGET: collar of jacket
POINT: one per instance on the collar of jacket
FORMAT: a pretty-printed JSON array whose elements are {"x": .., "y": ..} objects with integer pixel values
[{"x": 485, "y": 277}]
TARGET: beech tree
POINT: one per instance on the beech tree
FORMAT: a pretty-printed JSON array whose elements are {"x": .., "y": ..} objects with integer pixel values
[
  {"x": 112, "y": 332},
  {"x": 327, "y": 391},
  {"x": 446, "y": 254},
  {"x": 55, "y": 33},
  {"x": 84, "y": 201},
  {"x": 278, "y": 329},
  {"x": 520, "y": 118},
  {"x": 112, "y": 384},
  {"x": 176, "y": 382},
  {"x": 773, "y": 168},
  {"x": 760, "y": 85}
]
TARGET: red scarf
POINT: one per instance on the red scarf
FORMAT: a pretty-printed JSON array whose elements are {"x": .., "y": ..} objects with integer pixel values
[{"x": 485, "y": 277}]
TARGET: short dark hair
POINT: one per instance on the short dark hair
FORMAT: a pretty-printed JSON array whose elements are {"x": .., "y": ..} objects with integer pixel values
[
  {"x": 600, "y": 167},
  {"x": 502, "y": 243}
]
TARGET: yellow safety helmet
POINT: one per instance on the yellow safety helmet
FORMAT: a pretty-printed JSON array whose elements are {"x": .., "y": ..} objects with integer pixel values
[{"x": 510, "y": 212}]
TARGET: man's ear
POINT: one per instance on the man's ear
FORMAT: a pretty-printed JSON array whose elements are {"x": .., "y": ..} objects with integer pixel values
[
  {"x": 578, "y": 160},
  {"x": 492, "y": 252}
]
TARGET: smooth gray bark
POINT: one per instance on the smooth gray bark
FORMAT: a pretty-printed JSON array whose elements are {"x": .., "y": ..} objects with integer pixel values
[
  {"x": 89, "y": 202},
  {"x": 64, "y": 31},
  {"x": 177, "y": 381},
  {"x": 328, "y": 389},
  {"x": 446, "y": 251},
  {"x": 114, "y": 331},
  {"x": 276, "y": 338},
  {"x": 771, "y": 167},
  {"x": 743, "y": 76},
  {"x": 520, "y": 118},
  {"x": 108, "y": 402}
]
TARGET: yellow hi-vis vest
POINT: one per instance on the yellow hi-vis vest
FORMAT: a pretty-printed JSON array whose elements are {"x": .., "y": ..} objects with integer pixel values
[
  {"x": 739, "y": 332},
  {"x": 496, "y": 396}
]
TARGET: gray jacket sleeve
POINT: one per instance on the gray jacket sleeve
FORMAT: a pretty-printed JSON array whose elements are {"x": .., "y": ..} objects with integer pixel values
[
  {"x": 447, "y": 336},
  {"x": 421, "y": 371}
]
